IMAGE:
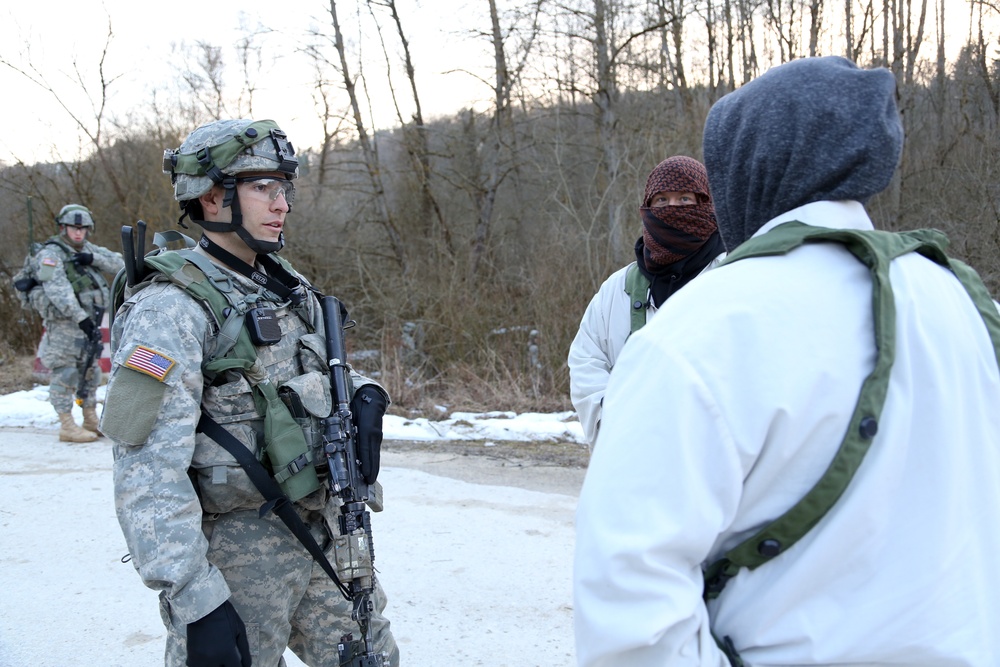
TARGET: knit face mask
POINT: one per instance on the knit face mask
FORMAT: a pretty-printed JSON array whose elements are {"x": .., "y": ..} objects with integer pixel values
[{"x": 671, "y": 233}]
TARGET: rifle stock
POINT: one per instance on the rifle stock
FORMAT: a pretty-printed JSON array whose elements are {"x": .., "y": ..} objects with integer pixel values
[{"x": 354, "y": 551}]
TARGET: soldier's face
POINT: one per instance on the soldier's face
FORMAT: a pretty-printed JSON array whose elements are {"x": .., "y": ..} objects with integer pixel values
[
  {"x": 263, "y": 217},
  {"x": 76, "y": 235}
]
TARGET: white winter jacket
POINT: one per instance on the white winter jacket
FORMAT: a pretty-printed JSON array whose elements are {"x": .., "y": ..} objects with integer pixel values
[
  {"x": 724, "y": 411},
  {"x": 603, "y": 331}
]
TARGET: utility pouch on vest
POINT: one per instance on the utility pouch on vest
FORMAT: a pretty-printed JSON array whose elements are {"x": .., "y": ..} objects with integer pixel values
[
  {"x": 310, "y": 425},
  {"x": 287, "y": 451}
]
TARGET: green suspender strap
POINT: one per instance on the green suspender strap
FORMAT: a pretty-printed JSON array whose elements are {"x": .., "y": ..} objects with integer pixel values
[
  {"x": 287, "y": 450},
  {"x": 875, "y": 249},
  {"x": 637, "y": 287}
]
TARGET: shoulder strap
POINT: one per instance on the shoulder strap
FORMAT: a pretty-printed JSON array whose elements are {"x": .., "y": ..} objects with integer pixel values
[
  {"x": 205, "y": 282},
  {"x": 275, "y": 500},
  {"x": 637, "y": 288},
  {"x": 876, "y": 249}
]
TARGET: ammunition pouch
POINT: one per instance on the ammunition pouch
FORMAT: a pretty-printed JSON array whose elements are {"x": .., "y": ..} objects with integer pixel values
[
  {"x": 290, "y": 456},
  {"x": 307, "y": 399}
]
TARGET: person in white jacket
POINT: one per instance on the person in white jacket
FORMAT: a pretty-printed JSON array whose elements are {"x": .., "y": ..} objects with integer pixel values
[
  {"x": 680, "y": 239},
  {"x": 728, "y": 407}
]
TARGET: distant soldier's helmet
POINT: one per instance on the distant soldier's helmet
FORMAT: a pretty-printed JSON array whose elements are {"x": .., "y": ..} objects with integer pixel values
[
  {"x": 214, "y": 154},
  {"x": 75, "y": 215}
]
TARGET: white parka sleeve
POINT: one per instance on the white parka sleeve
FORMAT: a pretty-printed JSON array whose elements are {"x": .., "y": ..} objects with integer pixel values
[{"x": 603, "y": 331}]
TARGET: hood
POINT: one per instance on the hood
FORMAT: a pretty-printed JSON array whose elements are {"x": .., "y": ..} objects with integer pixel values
[{"x": 810, "y": 130}]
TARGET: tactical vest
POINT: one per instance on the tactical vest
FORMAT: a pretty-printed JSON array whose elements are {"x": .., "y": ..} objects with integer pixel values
[
  {"x": 876, "y": 250},
  {"x": 292, "y": 443},
  {"x": 35, "y": 299},
  {"x": 78, "y": 279}
]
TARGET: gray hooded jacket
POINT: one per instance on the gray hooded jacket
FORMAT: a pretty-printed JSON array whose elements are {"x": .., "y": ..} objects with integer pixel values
[{"x": 767, "y": 151}]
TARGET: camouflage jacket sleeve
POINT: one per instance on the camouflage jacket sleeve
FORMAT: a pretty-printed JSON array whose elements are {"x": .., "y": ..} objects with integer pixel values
[
  {"x": 151, "y": 411},
  {"x": 108, "y": 261},
  {"x": 51, "y": 273}
]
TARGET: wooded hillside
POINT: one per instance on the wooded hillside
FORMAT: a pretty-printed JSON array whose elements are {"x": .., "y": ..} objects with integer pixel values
[{"x": 467, "y": 247}]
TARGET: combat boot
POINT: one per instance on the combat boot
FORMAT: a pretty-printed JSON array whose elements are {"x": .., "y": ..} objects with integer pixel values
[
  {"x": 90, "y": 420},
  {"x": 70, "y": 432}
]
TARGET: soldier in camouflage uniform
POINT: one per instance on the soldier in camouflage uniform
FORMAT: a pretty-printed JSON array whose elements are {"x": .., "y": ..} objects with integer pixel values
[
  {"x": 232, "y": 584},
  {"x": 72, "y": 288}
]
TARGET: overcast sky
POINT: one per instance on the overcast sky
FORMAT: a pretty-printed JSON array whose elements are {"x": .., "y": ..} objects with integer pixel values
[{"x": 147, "y": 39}]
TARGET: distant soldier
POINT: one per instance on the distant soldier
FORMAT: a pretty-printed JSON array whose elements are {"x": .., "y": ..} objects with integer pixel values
[
  {"x": 72, "y": 293},
  {"x": 216, "y": 334}
]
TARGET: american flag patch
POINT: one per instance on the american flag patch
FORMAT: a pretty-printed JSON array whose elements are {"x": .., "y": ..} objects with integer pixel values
[
  {"x": 150, "y": 362},
  {"x": 48, "y": 261}
]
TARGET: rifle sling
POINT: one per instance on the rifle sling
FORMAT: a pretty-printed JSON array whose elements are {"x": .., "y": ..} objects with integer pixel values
[{"x": 275, "y": 500}]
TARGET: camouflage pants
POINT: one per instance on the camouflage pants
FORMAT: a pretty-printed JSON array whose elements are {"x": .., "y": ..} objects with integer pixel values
[
  {"x": 282, "y": 595},
  {"x": 62, "y": 351}
]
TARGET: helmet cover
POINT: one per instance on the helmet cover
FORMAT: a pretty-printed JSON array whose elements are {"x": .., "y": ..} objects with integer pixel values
[
  {"x": 225, "y": 148},
  {"x": 75, "y": 215}
]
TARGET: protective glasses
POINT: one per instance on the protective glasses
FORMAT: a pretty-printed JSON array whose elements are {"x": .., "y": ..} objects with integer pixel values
[{"x": 269, "y": 187}]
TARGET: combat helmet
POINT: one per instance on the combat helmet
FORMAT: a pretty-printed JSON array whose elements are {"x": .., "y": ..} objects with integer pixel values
[
  {"x": 75, "y": 215},
  {"x": 214, "y": 154}
]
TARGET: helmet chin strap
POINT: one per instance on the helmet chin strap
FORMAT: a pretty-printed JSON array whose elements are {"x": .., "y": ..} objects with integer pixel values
[
  {"x": 258, "y": 246},
  {"x": 232, "y": 200}
]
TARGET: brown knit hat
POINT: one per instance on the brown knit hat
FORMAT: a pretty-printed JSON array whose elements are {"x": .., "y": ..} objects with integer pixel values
[{"x": 678, "y": 174}]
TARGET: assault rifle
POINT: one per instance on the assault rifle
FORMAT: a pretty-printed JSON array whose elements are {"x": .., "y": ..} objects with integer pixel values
[
  {"x": 355, "y": 554},
  {"x": 95, "y": 345}
]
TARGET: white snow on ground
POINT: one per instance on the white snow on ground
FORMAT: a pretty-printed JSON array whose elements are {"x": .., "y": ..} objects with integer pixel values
[{"x": 31, "y": 409}]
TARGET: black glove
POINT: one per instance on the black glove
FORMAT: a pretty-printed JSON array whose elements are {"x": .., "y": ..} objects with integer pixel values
[
  {"x": 83, "y": 259},
  {"x": 218, "y": 640},
  {"x": 368, "y": 406},
  {"x": 88, "y": 327}
]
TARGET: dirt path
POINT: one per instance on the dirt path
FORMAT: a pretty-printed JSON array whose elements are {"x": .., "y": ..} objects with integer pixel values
[
  {"x": 537, "y": 466},
  {"x": 552, "y": 467}
]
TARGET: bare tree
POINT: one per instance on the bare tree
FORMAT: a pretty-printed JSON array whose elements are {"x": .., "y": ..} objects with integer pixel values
[
  {"x": 373, "y": 168},
  {"x": 416, "y": 140},
  {"x": 672, "y": 14},
  {"x": 849, "y": 29},
  {"x": 748, "y": 45},
  {"x": 601, "y": 20},
  {"x": 815, "y": 24},
  {"x": 727, "y": 12},
  {"x": 781, "y": 17},
  {"x": 486, "y": 195}
]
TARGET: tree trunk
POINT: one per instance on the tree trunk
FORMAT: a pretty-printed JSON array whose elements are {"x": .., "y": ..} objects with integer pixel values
[
  {"x": 501, "y": 105},
  {"x": 370, "y": 154},
  {"x": 604, "y": 102},
  {"x": 417, "y": 145}
]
